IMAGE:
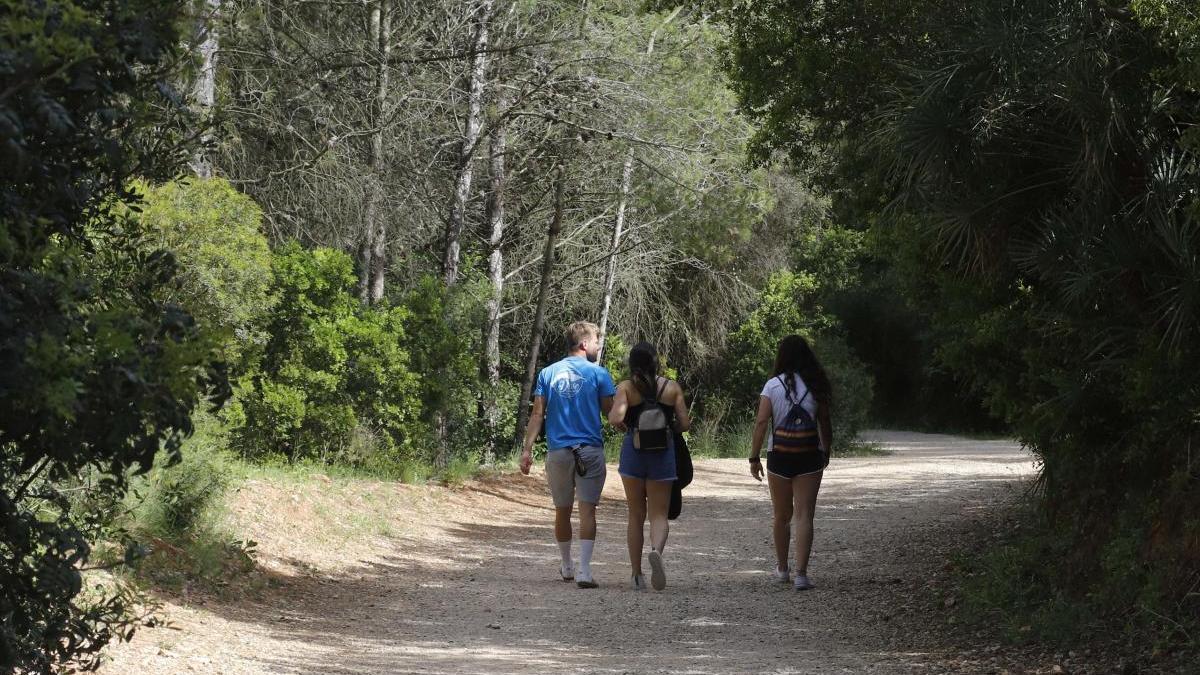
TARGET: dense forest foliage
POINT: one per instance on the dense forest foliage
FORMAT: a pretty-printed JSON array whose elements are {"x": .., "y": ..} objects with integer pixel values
[
  {"x": 357, "y": 229},
  {"x": 1030, "y": 171},
  {"x": 281, "y": 231},
  {"x": 101, "y": 372}
]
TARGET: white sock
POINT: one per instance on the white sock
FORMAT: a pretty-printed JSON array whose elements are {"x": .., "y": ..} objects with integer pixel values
[
  {"x": 585, "y": 556},
  {"x": 564, "y": 547}
]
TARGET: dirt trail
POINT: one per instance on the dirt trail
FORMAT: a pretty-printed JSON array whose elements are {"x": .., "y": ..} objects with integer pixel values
[{"x": 473, "y": 588}]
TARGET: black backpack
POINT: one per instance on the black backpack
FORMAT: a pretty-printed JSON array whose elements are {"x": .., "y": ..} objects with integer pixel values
[{"x": 651, "y": 432}]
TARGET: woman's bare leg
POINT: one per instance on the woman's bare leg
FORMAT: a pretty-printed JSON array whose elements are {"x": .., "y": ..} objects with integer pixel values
[
  {"x": 658, "y": 496},
  {"x": 635, "y": 497},
  {"x": 804, "y": 491},
  {"x": 781, "y": 507}
]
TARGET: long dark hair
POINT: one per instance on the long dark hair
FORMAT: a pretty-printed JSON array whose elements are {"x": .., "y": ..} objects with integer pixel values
[
  {"x": 795, "y": 357},
  {"x": 643, "y": 369}
]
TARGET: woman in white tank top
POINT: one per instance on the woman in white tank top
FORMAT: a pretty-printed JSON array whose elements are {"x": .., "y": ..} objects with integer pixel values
[{"x": 795, "y": 408}]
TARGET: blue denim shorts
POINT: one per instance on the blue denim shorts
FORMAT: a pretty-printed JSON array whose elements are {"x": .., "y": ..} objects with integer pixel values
[{"x": 658, "y": 465}]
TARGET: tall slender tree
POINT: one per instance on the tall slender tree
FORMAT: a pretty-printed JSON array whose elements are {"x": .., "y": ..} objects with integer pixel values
[
  {"x": 470, "y": 141},
  {"x": 534, "y": 349},
  {"x": 204, "y": 89},
  {"x": 614, "y": 246},
  {"x": 373, "y": 250},
  {"x": 497, "y": 148}
]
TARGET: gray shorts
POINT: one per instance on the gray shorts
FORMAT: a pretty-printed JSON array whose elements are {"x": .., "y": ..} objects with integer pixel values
[{"x": 564, "y": 481}]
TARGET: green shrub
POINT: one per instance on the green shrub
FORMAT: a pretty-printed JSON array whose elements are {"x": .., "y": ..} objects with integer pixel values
[
  {"x": 215, "y": 233},
  {"x": 727, "y": 439},
  {"x": 853, "y": 388},
  {"x": 616, "y": 359},
  {"x": 1010, "y": 586},
  {"x": 177, "y": 513},
  {"x": 184, "y": 500},
  {"x": 443, "y": 340},
  {"x": 335, "y": 382},
  {"x": 459, "y": 471},
  {"x": 788, "y": 304}
]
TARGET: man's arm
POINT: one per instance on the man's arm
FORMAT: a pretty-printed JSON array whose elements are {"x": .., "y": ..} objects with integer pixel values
[
  {"x": 606, "y": 405},
  {"x": 531, "y": 432},
  {"x": 607, "y": 390}
]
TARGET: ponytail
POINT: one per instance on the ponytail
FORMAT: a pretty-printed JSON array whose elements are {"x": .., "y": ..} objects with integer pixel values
[{"x": 643, "y": 369}]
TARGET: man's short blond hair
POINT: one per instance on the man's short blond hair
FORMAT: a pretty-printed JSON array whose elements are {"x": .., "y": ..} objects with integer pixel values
[{"x": 577, "y": 332}]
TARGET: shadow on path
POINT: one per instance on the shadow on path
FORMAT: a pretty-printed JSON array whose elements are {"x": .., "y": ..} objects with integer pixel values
[{"x": 485, "y": 597}]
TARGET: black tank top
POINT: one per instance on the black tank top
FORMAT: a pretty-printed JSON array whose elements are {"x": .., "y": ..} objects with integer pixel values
[{"x": 632, "y": 412}]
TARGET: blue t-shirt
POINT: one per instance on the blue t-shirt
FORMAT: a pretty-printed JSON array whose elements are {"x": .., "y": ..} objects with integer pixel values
[{"x": 573, "y": 388}]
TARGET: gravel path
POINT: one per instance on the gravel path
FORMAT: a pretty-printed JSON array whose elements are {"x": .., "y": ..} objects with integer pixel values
[{"x": 476, "y": 591}]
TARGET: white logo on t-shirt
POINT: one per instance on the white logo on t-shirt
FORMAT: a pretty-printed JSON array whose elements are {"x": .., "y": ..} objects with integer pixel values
[{"x": 567, "y": 383}]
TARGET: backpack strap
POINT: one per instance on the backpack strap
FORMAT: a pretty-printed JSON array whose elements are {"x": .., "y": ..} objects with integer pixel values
[
  {"x": 663, "y": 388},
  {"x": 787, "y": 392}
]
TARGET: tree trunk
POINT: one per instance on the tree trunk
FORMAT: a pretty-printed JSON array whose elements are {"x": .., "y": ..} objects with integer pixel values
[
  {"x": 366, "y": 248},
  {"x": 372, "y": 253},
  {"x": 614, "y": 246},
  {"x": 539, "y": 316},
  {"x": 495, "y": 216},
  {"x": 462, "y": 183},
  {"x": 619, "y": 226},
  {"x": 205, "y": 89},
  {"x": 462, "y": 186}
]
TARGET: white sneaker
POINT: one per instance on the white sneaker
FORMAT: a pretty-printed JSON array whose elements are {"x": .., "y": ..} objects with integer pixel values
[
  {"x": 780, "y": 576},
  {"x": 638, "y": 582},
  {"x": 567, "y": 570},
  {"x": 584, "y": 580},
  {"x": 658, "y": 574},
  {"x": 802, "y": 583}
]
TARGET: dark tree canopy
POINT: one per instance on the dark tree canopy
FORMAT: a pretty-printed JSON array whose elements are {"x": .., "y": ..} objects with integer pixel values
[
  {"x": 1030, "y": 171},
  {"x": 97, "y": 374}
]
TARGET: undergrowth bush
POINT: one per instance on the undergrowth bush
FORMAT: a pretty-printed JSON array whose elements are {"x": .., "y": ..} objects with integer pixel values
[
  {"x": 1013, "y": 586},
  {"x": 729, "y": 440},
  {"x": 788, "y": 304},
  {"x": 178, "y": 513},
  {"x": 184, "y": 500}
]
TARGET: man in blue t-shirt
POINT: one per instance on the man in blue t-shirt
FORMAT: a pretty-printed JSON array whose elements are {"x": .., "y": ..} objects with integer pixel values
[{"x": 571, "y": 395}]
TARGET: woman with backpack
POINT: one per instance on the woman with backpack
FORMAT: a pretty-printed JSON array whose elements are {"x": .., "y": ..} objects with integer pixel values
[
  {"x": 649, "y": 408},
  {"x": 795, "y": 406}
]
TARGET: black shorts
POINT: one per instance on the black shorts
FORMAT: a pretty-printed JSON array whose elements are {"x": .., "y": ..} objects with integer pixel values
[{"x": 792, "y": 464}]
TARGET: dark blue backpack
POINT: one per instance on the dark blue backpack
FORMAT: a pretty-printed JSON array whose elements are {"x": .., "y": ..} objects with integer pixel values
[{"x": 797, "y": 431}]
